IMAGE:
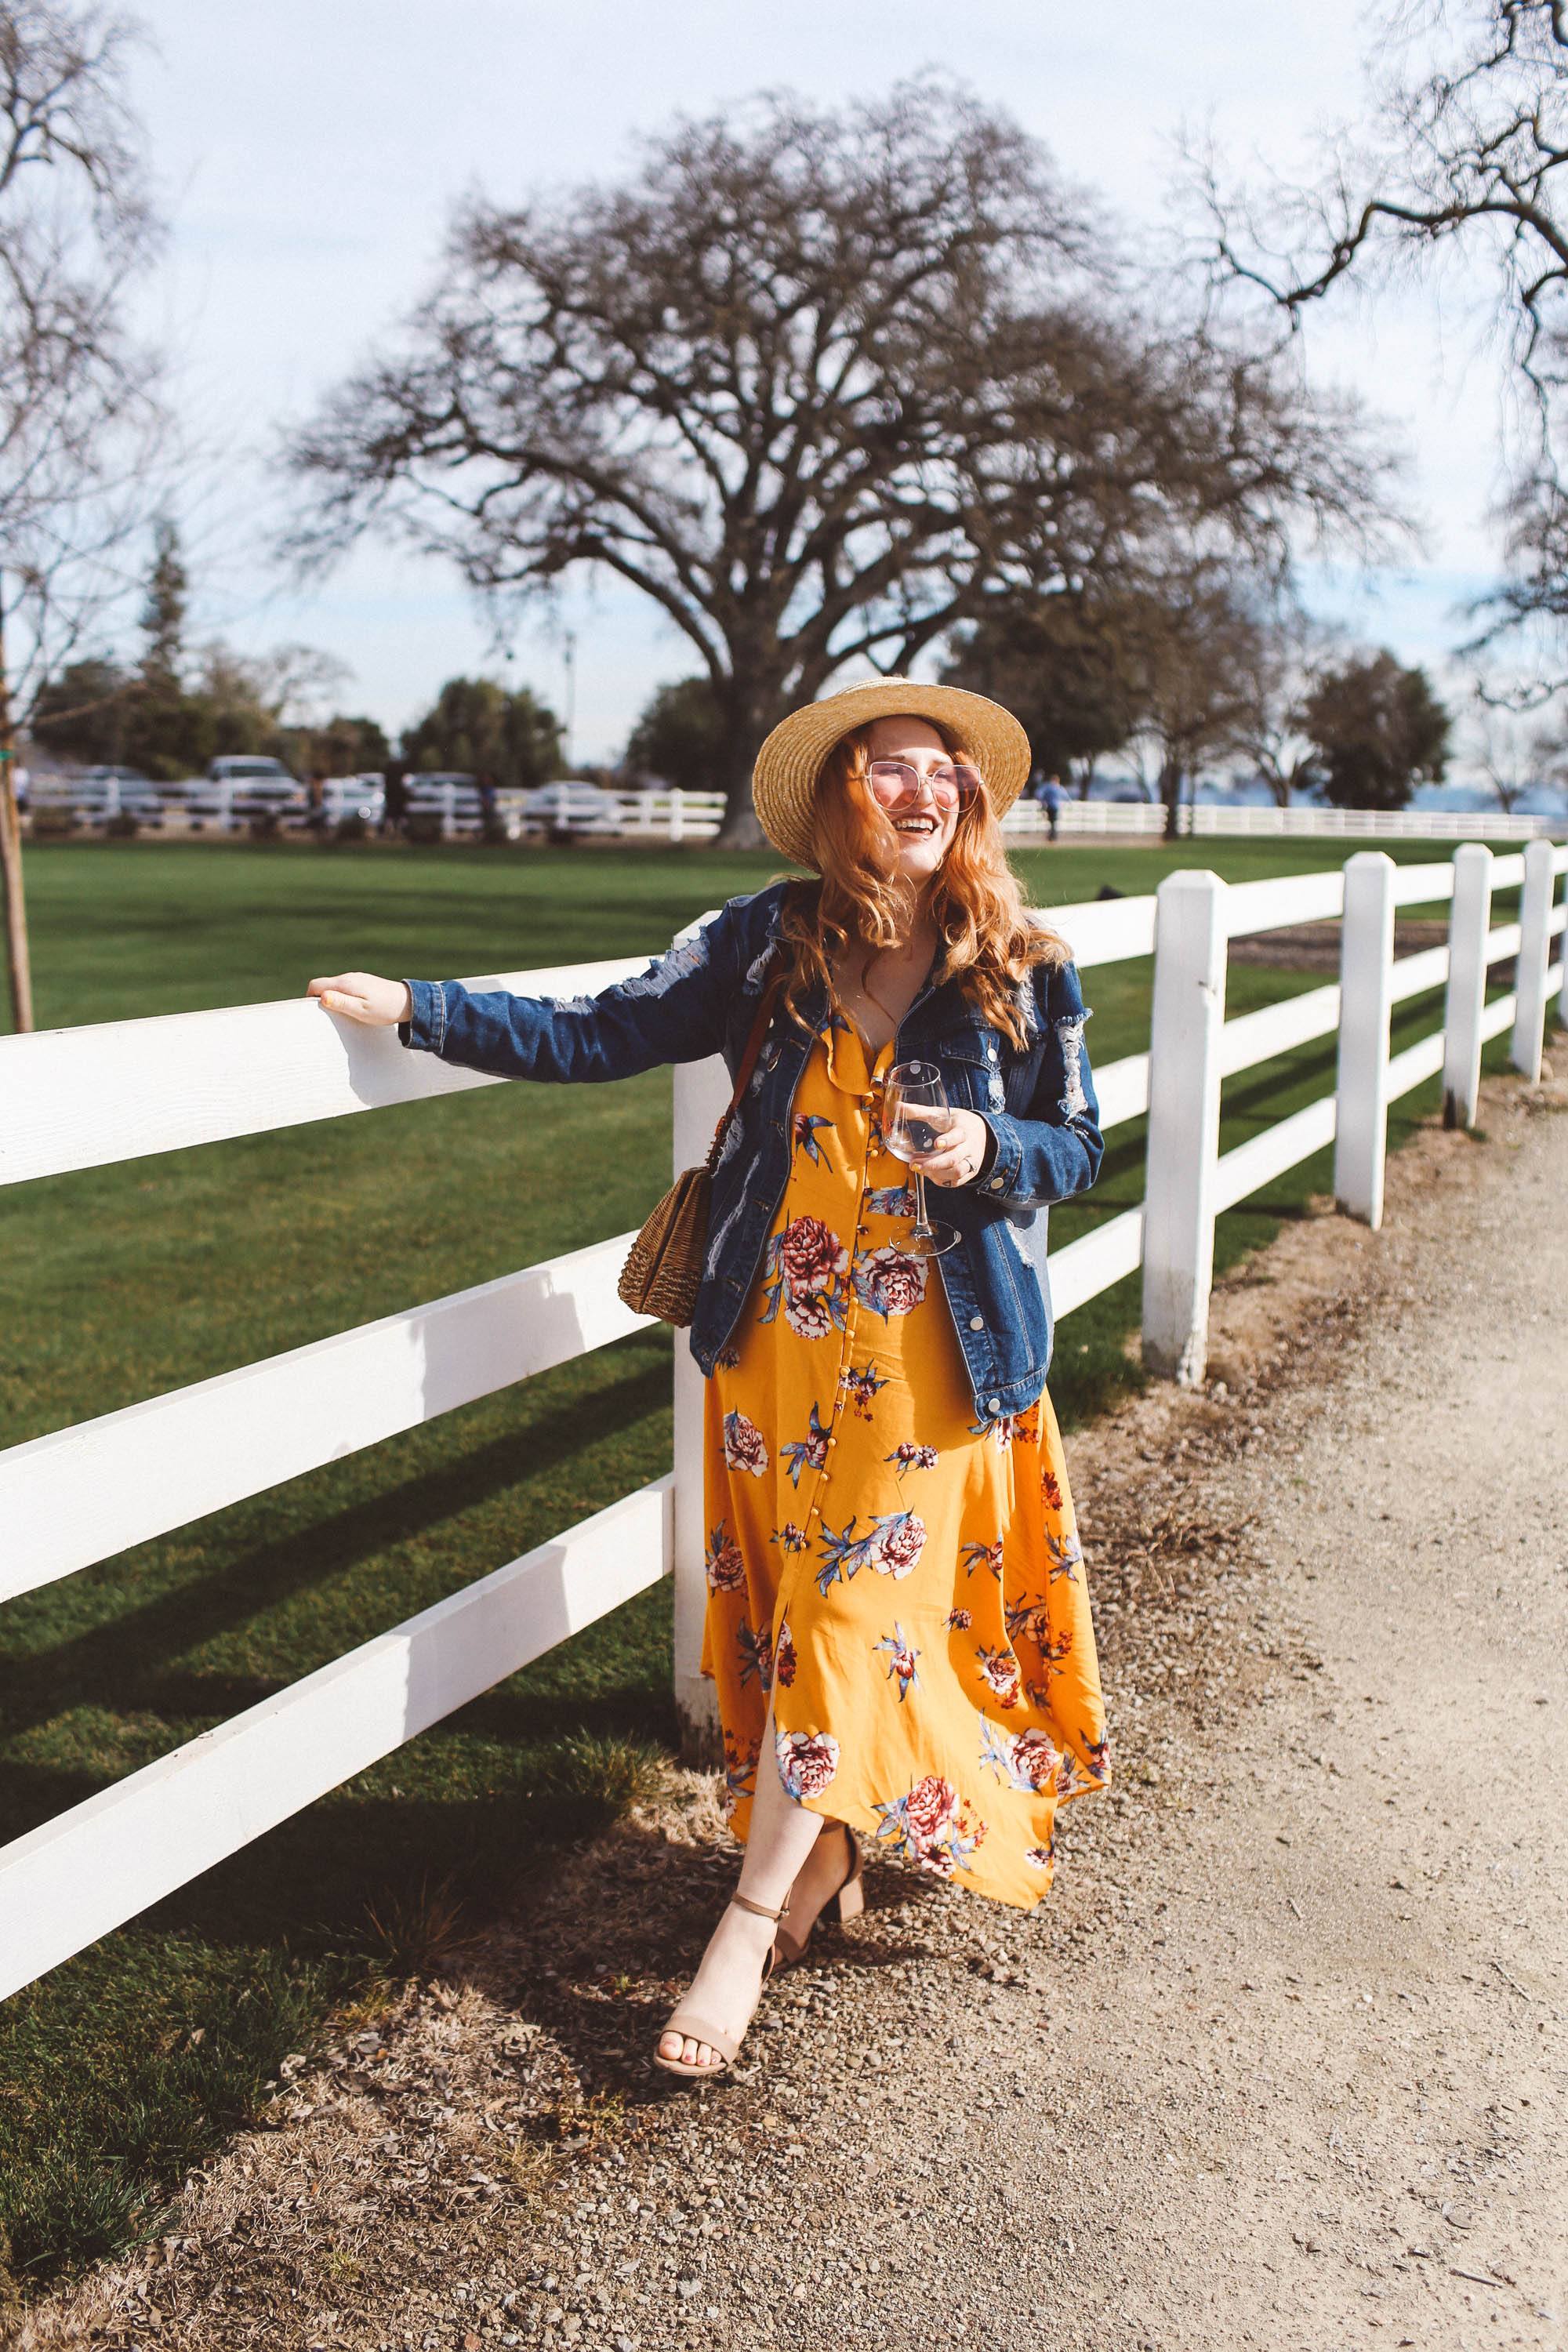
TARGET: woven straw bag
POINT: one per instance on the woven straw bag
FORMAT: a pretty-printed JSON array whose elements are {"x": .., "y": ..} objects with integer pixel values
[{"x": 663, "y": 1265}]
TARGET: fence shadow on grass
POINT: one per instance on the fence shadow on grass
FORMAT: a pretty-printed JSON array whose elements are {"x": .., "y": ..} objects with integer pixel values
[{"x": 131, "y": 1650}]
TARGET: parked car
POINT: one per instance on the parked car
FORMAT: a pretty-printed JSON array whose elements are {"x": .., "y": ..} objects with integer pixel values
[
  {"x": 243, "y": 789},
  {"x": 569, "y": 808},
  {"x": 350, "y": 798}
]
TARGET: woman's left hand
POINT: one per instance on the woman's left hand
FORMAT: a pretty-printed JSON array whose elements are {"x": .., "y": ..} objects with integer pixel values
[{"x": 962, "y": 1136}]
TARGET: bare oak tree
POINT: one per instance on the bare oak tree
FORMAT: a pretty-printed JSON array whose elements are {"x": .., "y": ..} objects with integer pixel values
[
  {"x": 1466, "y": 149},
  {"x": 78, "y": 406},
  {"x": 819, "y": 386}
]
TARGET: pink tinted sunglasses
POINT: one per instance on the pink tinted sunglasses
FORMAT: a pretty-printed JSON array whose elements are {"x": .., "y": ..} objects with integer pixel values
[{"x": 897, "y": 784}]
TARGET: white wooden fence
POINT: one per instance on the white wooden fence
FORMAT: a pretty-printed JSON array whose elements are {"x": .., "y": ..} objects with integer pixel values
[
  {"x": 677, "y": 815},
  {"x": 674, "y": 815},
  {"x": 86, "y": 1097}
]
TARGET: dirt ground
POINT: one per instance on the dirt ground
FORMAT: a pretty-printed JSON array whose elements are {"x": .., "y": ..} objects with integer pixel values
[{"x": 1278, "y": 2062}]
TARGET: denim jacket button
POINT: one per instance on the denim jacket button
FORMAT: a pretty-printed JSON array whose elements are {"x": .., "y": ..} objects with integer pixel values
[
  {"x": 992, "y": 1404},
  {"x": 977, "y": 1322}
]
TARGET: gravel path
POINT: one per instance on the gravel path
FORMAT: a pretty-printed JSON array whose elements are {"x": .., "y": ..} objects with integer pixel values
[{"x": 1280, "y": 2063}]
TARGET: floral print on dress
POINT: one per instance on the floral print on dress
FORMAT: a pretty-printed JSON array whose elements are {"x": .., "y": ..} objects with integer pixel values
[
  {"x": 892, "y": 1544},
  {"x": 803, "y": 1267},
  {"x": 1024, "y": 1759},
  {"x": 783, "y": 1655},
  {"x": 1066, "y": 1555},
  {"x": 842, "y": 1400},
  {"x": 807, "y": 1761},
  {"x": 861, "y": 1387},
  {"x": 744, "y": 1445},
  {"x": 755, "y": 1644},
  {"x": 804, "y": 1135},
  {"x": 889, "y": 1280},
  {"x": 807, "y": 1453},
  {"x": 933, "y": 1826},
  {"x": 739, "y": 1769},
  {"x": 911, "y": 1456},
  {"x": 725, "y": 1567},
  {"x": 902, "y": 1658},
  {"x": 1000, "y": 1672}
]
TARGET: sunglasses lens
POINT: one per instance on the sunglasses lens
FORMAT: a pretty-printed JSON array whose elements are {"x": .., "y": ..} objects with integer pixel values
[{"x": 895, "y": 784}]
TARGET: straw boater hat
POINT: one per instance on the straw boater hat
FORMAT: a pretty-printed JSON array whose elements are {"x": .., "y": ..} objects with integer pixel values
[{"x": 784, "y": 778}]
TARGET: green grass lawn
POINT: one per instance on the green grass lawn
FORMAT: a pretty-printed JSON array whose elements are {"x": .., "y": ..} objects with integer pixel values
[{"x": 117, "y": 1283}]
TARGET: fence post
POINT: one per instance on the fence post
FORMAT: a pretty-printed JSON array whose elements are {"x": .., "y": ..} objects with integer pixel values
[
  {"x": 677, "y": 830},
  {"x": 1534, "y": 955},
  {"x": 1367, "y": 1003},
  {"x": 1469, "y": 923},
  {"x": 1190, "y": 937},
  {"x": 701, "y": 1091}
]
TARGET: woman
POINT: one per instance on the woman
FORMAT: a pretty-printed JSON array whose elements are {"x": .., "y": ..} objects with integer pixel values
[{"x": 897, "y": 1619}]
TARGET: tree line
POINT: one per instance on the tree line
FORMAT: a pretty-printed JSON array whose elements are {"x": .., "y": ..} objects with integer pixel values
[
  {"x": 174, "y": 706},
  {"x": 1192, "y": 691},
  {"x": 1176, "y": 684}
]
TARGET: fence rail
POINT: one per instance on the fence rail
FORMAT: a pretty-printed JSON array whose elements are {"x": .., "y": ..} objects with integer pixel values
[
  {"x": 79, "y": 1098},
  {"x": 677, "y": 815}
]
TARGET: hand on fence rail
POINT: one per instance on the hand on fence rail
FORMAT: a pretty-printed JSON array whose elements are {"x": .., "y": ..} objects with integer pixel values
[{"x": 361, "y": 996}]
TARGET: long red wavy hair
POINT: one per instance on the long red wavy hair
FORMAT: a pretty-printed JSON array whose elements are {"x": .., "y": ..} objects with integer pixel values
[{"x": 986, "y": 941}]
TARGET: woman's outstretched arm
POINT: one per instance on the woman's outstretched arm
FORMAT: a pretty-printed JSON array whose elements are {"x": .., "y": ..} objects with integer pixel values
[{"x": 672, "y": 1012}]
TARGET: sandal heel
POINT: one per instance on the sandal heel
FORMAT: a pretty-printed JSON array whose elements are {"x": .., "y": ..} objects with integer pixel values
[
  {"x": 852, "y": 1896},
  {"x": 851, "y": 1900}
]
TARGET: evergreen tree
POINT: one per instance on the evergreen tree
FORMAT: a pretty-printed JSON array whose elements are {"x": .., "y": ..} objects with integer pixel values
[
  {"x": 164, "y": 614},
  {"x": 1379, "y": 727},
  {"x": 475, "y": 725},
  {"x": 679, "y": 737}
]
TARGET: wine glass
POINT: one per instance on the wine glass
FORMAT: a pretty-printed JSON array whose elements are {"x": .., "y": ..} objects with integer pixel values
[{"x": 914, "y": 1090}]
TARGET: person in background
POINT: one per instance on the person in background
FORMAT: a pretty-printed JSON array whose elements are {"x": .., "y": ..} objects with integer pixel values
[
  {"x": 395, "y": 797},
  {"x": 316, "y": 801},
  {"x": 486, "y": 782},
  {"x": 1048, "y": 792}
]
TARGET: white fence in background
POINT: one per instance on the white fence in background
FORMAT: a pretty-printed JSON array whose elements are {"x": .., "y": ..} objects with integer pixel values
[
  {"x": 675, "y": 815},
  {"x": 694, "y": 816},
  {"x": 86, "y": 1097}
]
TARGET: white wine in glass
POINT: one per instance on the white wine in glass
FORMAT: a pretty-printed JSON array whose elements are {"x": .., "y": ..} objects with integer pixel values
[{"x": 914, "y": 1091}]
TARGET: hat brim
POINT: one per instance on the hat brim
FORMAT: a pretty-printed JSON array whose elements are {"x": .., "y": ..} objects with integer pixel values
[{"x": 783, "y": 780}]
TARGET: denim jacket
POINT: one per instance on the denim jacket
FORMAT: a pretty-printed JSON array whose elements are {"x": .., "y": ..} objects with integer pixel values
[{"x": 701, "y": 997}]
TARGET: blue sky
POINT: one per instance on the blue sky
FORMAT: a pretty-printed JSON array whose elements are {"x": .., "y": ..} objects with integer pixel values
[{"x": 309, "y": 157}]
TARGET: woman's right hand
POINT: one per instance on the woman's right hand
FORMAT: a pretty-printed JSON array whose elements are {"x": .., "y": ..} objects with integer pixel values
[{"x": 360, "y": 996}]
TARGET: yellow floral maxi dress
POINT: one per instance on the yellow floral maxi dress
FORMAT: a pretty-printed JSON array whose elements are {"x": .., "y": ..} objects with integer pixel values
[{"x": 903, "y": 1575}]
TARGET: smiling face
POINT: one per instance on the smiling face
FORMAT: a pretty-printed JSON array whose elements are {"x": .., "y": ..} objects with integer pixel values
[{"x": 924, "y": 831}]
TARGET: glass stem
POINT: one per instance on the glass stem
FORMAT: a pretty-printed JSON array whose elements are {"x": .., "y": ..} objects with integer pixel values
[{"x": 922, "y": 1230}]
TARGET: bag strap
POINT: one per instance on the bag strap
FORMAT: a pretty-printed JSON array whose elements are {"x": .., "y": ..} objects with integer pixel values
[{"x": 748, "y": 1060}]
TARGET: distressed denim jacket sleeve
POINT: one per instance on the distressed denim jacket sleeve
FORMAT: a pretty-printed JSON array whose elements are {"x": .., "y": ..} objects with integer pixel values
[
  {"x": 1054, "y": 1148},
  {"x": 672, "y": 1012}
]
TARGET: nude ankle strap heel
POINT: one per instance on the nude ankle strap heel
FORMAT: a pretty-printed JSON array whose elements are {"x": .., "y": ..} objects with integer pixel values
[
  {"x": 848, "y": 1898},
  {"x": 691, "y": 2027}
]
